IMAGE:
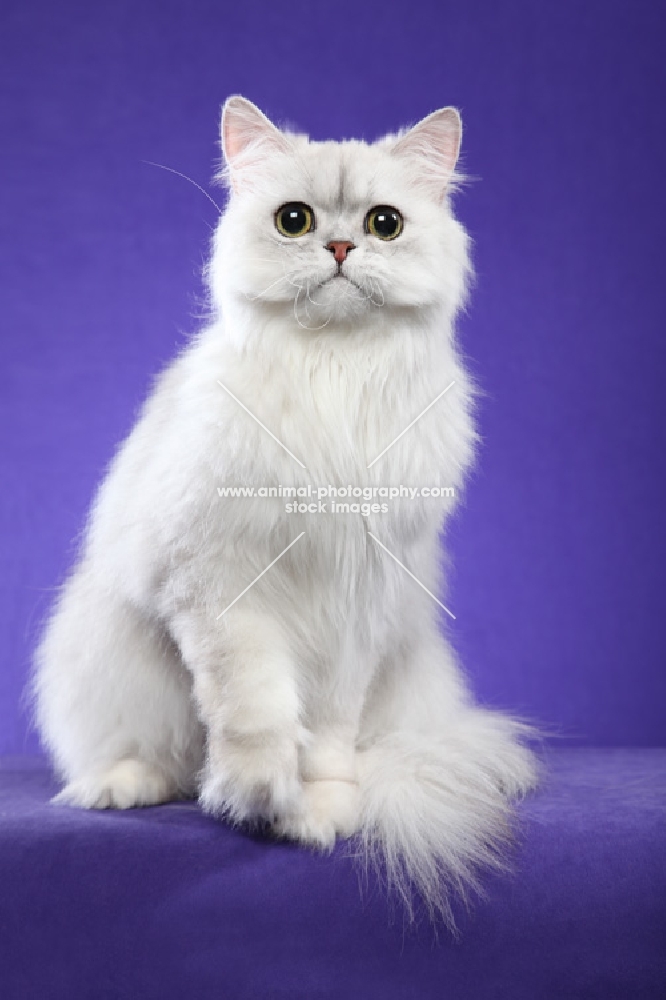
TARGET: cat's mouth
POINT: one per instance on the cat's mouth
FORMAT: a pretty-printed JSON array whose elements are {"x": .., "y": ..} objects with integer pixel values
[{"x": 340, "y": 274}]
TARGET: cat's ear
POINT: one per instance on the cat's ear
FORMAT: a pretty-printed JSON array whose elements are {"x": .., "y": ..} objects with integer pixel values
[
  {"x": 433, "y": 144},
  {"x": 248, "y": 138}
]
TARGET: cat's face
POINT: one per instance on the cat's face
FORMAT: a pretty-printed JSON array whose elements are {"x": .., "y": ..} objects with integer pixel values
[{"x": 338, "y": 232}]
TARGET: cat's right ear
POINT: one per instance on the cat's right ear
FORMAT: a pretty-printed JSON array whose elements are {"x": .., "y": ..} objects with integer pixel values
[{"x": 248, "y": 138}]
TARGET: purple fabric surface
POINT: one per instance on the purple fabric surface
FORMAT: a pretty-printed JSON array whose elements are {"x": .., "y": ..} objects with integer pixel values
[
  {"x": 166, "y": 903},
  {"x": 558, "y": 551}
]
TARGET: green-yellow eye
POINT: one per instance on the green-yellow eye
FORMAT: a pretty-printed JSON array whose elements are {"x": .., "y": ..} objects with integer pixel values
[
  {"x": 384, "y": 222},
  {"x": 294, "y": 219}
]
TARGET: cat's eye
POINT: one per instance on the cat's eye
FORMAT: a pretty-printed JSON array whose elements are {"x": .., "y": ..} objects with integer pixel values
[
  {"x": 294, "y": 219},
  {"x": 384, "y": 222}
]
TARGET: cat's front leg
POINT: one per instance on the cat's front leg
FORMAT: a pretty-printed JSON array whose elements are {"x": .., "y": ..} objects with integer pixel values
[
  {"x": 331, "y": 798},
  {"x": 247, "y": 697}
]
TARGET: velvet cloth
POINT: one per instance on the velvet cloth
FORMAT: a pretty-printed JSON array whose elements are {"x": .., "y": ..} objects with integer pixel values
[{"x": 166, "y": 903}]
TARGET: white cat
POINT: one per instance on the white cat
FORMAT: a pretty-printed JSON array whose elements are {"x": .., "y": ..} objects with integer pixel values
[{"x": 325, "y": 699}]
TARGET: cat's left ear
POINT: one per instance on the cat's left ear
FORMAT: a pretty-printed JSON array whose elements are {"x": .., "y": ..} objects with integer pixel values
[
  {"x": 248, "y": 139},
  {"x": 433, "y": 144}
]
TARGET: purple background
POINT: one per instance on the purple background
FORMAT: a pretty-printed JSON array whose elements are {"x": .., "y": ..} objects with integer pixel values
[{"x": 559, "y": 550}]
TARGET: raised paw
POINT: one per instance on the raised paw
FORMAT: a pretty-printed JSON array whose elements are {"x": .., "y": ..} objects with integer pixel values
[{"x": 124, "y": 785}]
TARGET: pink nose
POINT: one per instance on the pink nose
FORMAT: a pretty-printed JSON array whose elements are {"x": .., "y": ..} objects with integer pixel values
[{"x": 340, "y": 249}]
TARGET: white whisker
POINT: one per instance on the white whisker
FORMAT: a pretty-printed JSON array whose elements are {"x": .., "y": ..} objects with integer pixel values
[
  {"x": 312, "y": 329},
  {"x": 260, "y": 295},
  {"x": 171, "y": 170},
  {"x": 376, "y": 289}
]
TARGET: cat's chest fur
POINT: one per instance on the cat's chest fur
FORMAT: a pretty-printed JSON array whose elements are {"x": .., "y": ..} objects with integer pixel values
[
  {"x": 225, "y": 429},
  {"x": 352, "y": 422},
  {"x": 349, "y": 417}
]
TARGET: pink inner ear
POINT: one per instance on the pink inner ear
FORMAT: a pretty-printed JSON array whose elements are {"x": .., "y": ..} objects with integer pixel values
[
  {"x": 241, "y": 128},
  {"x": 233, "y": 143},
  {"x": 243, "y": 125},
  {"x": 435, "y": 140}
]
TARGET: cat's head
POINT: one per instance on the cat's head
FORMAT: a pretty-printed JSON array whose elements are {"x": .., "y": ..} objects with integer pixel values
[{"x": 338, "y": 232}]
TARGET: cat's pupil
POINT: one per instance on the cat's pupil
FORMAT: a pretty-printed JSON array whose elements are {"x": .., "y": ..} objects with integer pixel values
[
  {"x": 294, "y": 219},
  {"x": 386, "y": 223}
]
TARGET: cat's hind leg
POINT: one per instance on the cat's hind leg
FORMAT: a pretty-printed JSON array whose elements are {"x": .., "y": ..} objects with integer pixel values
[{"x": 113, "y": 702}]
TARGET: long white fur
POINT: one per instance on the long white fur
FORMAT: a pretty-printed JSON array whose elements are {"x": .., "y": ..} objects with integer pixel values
[{"x": 326, "y": 700}]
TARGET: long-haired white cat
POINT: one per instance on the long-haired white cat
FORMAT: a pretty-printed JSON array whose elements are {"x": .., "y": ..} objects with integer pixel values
[{"x": 288, "y": 667}]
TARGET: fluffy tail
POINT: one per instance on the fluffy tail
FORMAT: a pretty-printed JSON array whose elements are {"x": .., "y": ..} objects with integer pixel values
[{"x": 435, "y": 810}]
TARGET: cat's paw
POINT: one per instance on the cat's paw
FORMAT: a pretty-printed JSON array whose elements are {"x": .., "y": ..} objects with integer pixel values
[
  {"x": 329, "y": 809},
  {"x": 252, "y": 779},
  {"x": 124, "y": 785}
]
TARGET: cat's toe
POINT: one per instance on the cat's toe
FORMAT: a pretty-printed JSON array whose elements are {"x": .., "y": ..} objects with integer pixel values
[
  {"x": 306, "y": 829},
  {"x": 329, "y": 809},
  {"x": 125, "y": 785},
  {"x": 253, "y": 784}
]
